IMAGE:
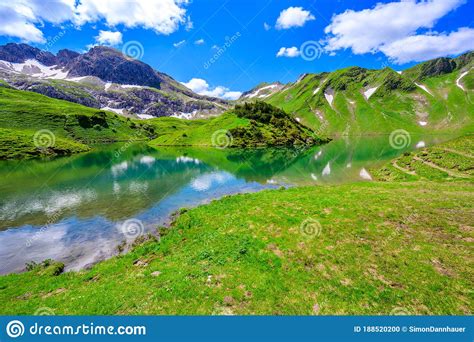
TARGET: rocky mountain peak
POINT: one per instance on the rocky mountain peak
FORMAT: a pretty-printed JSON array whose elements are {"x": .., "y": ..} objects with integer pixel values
[
  {"x": 65, "y": 56},
  {"x": 19, "y": 53},
  {"x": 111, "y": 65}
]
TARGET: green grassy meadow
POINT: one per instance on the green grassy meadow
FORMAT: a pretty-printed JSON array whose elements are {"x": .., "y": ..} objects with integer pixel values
[
  {"x": 22, "y": 113},
  {"x": 326, "y": 250}
]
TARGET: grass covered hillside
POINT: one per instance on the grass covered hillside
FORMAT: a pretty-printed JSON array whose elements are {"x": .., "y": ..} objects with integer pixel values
[
  {"x": 248, "y": 125},
  {"x": 453, "y": 160},
  {"x": 435, "y": 96},
  {"x": 18, "y": 144},
  {"x": 33, "y": 125}
]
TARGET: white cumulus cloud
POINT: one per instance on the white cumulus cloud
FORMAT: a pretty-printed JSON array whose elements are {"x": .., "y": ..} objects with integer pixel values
[
  {"x": 288, "y": 52},
  {"x": 368, "y": 30},
  {"x": 419, "y": 48},
  {"x": 293, "y": 17},
  {"x": 201, "y": 87},
  {"x": 162, "y": 16},
  {"x": 109, "y": 38},
  {"x": 24, "y": 19}
]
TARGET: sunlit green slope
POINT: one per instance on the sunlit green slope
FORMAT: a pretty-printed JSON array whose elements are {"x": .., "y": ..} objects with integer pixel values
[
  {"x": 33, "y": 125},
  {"x": 435, "y": 96}
]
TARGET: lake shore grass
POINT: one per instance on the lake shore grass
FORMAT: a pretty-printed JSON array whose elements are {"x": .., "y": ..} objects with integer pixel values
[
  {"x": 401, "y": 244},
  {"x": 361, "y": 248}
]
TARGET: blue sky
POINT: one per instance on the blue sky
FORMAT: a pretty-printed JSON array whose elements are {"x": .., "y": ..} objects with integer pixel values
[{"x": 224, "y": 47}]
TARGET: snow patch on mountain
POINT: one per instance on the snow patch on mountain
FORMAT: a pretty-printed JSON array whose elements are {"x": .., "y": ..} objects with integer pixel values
[
  {"x": 115, "y": 110},
  {"x": 259, "y": 90},
  {"x": 35, "y": 69},
  {"x": 186, "y": 116},
  {"x": 458, "y": 81},
  {"x": 424, "y": 88},
  {"x": 131, "y": 86},
  {"x": 145, "y": 116},
  {"x": 329, "y": 95},
  {"x": 369, "y": 92}
]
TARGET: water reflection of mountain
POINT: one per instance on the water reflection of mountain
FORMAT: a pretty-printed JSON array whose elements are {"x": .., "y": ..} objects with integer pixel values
[
  {"x": 115, "y": 187},
  {"x": 340, "y": 160},
  {"x": 118, "y": 183},
  {"x": 253, "y": 165}
]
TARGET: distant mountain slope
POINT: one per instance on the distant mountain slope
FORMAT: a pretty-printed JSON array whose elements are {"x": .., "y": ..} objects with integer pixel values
[
  {"x": 262, "y": 91},
  {"x": 102, "y": 78},
  {"x": 33, "y": 125},
  {"x": 437, "y": 95}
]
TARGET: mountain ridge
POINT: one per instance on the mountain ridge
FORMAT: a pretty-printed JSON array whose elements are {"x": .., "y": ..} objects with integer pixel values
[
  {"x": 433, "y": 96},
  {"x": 102, "y": 78}
]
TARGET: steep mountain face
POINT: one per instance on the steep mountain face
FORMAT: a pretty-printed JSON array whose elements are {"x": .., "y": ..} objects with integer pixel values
[
  {"x": 439, "y": 66},
  {"x": 111, "y": 65},
  {"x": 435, "y": 96},
  {"x": 65, "y": 56},
  {"x": 103, "y": 78},
  {"x": 18, "y": 53}
]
